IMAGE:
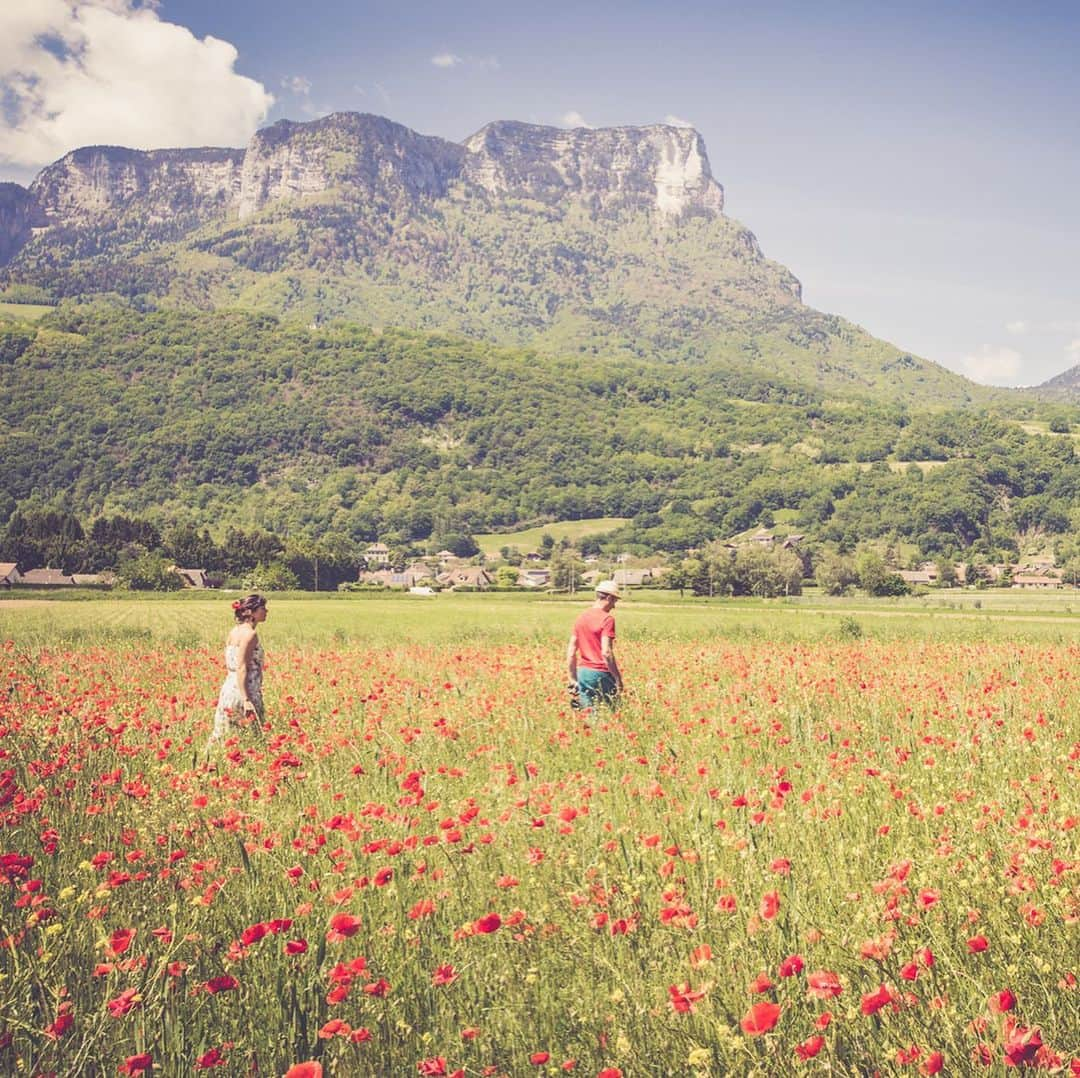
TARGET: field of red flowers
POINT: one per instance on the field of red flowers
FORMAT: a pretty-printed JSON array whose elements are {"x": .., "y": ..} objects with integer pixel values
[{"x": 777, "y": 858}]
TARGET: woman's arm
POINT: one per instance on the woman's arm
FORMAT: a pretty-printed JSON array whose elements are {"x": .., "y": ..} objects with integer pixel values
[{"x": 243, "y": 658}]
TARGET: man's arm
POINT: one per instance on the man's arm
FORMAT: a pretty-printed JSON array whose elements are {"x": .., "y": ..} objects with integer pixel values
[
  {"x": 571, "y": 658},
  {"x": 607, "y": 649}
]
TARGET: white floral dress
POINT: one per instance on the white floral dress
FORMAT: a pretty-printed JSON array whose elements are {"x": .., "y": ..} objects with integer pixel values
[{"x": 229, "y": 715}]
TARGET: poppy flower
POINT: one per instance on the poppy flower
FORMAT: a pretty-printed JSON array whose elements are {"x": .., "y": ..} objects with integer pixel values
[
  {"x": 432, "y": 1068},
  {"x": 759, "y": 984},
  {"x": 445, "y": 974},
  {"x": 810, "y": 1047},
  {"x": 342, "y": 926},
  {"x": 538, "y": 1059},
  {"x": 1021, "y": 1045},
  {"x": 127, "y": 1001},
  {"x": 136, "y": 1065},
  {"x": 770, "y": 905},
  {"x": 934, "y": 1062},
  {"x": 120, "y": 941},
  {"x": 823, "y": 984},
  {"x": 791, "y": 966},
  {"x": 305, "y": 1070},
  {"x": 977, "y": 944},
  {"x": 214, "y": 1058},
  {"x": 1002, "y": 1001},
  {"x": 872, "y": 1002},
  {"x": 490, "y": 922},
  {"x": 683, "y": 997},
  {"x": 760, "y": 1019}
]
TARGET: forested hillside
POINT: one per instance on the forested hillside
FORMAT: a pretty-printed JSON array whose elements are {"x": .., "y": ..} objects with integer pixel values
[{"x": 241, "y": 419}]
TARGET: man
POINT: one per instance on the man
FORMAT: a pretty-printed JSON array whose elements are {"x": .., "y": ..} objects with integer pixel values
[{"x": 590, "y": 655}]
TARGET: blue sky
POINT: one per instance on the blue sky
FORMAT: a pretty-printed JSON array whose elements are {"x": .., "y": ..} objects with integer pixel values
[{"x": 916, "y": 166}]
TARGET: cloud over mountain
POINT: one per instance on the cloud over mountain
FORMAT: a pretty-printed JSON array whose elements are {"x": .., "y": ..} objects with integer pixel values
[{"x": 113, "y": 72}]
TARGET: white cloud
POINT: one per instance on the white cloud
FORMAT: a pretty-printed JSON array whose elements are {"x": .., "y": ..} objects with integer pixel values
[
  {"x": 575, "y": 119},
  {"x": 83, "y": 72},
  {"x": 1018, "y": 327},
  {"x": 446, "y": 59},
  {"x": 675, "y": 121},
  {"x": 297, "y": 84},
  {"x": 993, "y": 365}
]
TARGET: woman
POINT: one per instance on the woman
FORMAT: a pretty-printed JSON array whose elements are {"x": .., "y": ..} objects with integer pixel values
[{"x": 240, "y": 701}]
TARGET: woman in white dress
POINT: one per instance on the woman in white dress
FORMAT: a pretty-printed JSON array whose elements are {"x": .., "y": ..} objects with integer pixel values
[{"x": 240, "y": 702}]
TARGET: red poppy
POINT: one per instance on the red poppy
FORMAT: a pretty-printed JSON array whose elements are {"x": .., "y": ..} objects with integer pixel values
[
  {"x": 490, "y": 922},
  {"x": 976, "y": 944},
  {"x": 342, "y": 926},
  {"x": 872, "y": 1002},
  {"x": 934, "y": 1062},
  {"x": 770, "y": 905},
  {"x": 214, "y": 1058},
  {"x": 128, "y": 1000},
  {"x": 792, "y": 966},
  {"x": 1002, "y": 1001},
  {"x": 760, "y": 1019},
  {"x": 296, "y": 946},
  {"x": 1021, "y": 1045},
  {"x": 224, "y": 983},
  {"x": 445, "y": 974},
  {"x": 432, "y": 1068},
  {"x": 135, "y": 1065},
  {"x": 810, "y": 1047},
  {"x": 538, "y": 1059},
  {"x": 759, "y": 984},
  {"x": 120, "y": 941},
  {"x": 305, "y": 1070},
  {"x": 823, "y": 984},
  {"x": 683, "y": 997}
]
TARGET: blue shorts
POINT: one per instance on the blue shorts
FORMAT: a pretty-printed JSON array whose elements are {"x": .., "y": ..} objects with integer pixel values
[{"x": 596, "y": 687}]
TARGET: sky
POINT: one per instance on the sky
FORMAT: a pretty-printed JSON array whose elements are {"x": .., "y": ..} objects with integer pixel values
[{"x": 917, "y": 166}]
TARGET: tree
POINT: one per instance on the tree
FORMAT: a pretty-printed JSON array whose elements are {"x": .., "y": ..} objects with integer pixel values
[
  {"x": 876, "y": 578},
  {"x": 566, "y": 569},
  {"x": 835, "y": 573},
  {"x": 270, "y": 576},
  {"x": 506, "y": 576},
  {"x": 148, "y": 572}
]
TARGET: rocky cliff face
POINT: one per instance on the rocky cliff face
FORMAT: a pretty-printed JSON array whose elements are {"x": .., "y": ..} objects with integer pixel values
[
  {"x": 657, "y": 168},
  {"x": 368, "y": 155},
  {"x": 96, "y": 182},
  {"x": 17, "y": 217}
]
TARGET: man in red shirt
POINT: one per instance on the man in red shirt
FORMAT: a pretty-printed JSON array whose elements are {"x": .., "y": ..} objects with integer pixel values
[{"x": 590, "y": 655}]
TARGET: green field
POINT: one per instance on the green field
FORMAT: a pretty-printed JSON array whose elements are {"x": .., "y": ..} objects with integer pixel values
[
  {"x": 392, "y": 620},
  {"x": 529, "y": 538},
  {"x": 24, "y": 312}
]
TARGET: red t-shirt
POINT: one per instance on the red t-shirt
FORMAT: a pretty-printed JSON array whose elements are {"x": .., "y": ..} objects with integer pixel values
[{"x": 589, "y": 629}]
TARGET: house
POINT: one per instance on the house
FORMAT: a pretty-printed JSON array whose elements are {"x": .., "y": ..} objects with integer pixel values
[
  {"x": 467, "y": 576},
  {"x": 792, "y": 541},
  {"x": 632, "y": 578},
  {"x": 9, "y": 574},
  {"x": 763, "y": 538},
  {"x": 46, "y": 578},
  {"x": 917, "y": 576},
  {"x": 193, "y": 578},
  {"x": 377, "y": 554},
  {"x": 388, "y": 578},
  {"x": 94, "y": 580},
  {"x": 445, "y": 555},
  {"x": 534, "y": 578},
  {"x": 1035, "y": 581}
]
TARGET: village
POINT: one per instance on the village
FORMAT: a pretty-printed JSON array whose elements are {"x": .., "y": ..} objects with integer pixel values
[{"x": 384, "y": 569}]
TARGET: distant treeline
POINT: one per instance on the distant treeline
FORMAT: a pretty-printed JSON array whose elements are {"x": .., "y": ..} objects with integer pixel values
[{"x": 195, "y": 423}]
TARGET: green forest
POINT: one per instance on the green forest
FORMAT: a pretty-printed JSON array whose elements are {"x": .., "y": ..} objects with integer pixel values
[{"x": 235, "y": 429}]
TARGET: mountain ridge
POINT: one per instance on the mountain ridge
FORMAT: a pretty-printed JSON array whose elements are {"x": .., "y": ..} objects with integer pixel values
[{"x": 582, "y": 242}]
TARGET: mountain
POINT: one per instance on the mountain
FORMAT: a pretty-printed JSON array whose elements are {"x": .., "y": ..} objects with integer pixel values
[
  {"x": 1064, "y": 386},
  {"x": 587, "y": 242}
]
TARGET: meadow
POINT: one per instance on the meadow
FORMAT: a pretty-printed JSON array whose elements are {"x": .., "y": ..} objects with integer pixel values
[{"x": 818, "y": 837}]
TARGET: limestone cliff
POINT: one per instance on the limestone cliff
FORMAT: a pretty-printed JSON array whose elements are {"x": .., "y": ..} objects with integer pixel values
[
  {"x": 17, "y": 217},
  {"x": 89, "y": 185},
  {"x": 660, "y": 168},
  {"x": 367, "y": 155}
]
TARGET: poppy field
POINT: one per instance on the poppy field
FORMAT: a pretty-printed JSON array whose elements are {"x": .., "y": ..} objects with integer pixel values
[{"x": 787, "y": 853}]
